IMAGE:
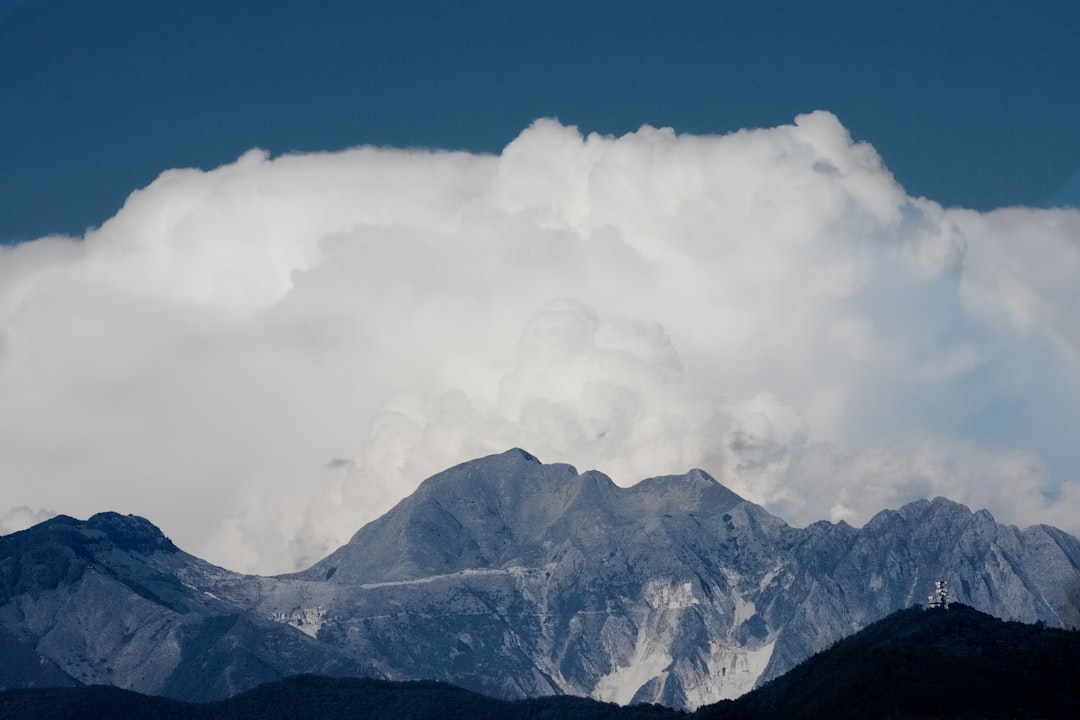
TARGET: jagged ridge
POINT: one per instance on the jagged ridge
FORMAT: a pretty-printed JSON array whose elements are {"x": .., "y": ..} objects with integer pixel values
[{"x": 519, "y": 579}]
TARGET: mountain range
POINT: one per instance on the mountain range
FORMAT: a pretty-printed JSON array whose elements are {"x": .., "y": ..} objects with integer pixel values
[
  {"x": 514, "y": 579},
  {"x": 915, "y": 663}
]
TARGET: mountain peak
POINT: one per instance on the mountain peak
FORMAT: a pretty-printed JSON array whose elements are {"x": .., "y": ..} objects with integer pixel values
[
  {"x": 522, "y": 454},
  {"x": 132, "y": 533},
  {"x": 503, "y": 510},
  {"x": 693, "y": 491},
  {"x": 925, "y": 510},
  {"x": 479, "y": 513}
]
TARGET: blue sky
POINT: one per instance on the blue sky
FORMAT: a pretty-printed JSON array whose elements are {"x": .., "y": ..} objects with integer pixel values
[
  {"x": 971, "y": 105},
  {"x": 267, "y": 265}
]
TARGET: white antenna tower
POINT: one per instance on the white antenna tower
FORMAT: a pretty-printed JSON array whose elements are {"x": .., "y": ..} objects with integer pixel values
[{"x": 940, "y": 598}]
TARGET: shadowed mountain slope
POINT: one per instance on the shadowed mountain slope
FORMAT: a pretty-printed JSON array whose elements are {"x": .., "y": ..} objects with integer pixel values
[{"x": 111, "y": 600}]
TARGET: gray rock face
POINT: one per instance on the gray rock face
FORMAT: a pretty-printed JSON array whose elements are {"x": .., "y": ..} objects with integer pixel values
[
  {"x": 113, "y": 601},
  {"x": 515, "y": 578}
]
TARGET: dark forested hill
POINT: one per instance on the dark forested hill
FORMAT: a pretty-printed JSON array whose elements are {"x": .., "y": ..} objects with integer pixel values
[
  {"x": 312, "y": 697},
  {"x": 928, "y": 664}
]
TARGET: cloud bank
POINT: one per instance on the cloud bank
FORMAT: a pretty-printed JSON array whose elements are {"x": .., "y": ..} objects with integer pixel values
[{"x": 263, "y": 357}]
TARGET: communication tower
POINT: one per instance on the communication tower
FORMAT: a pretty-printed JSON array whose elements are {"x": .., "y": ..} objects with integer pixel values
[{"x": 940, "y": 598}]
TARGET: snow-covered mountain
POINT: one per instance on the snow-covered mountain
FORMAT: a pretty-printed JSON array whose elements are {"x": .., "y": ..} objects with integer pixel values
[{"x": 515, "y": 578}]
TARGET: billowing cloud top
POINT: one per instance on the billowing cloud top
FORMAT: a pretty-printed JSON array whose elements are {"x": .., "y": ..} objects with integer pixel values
[{"x": 265, "y": 356}]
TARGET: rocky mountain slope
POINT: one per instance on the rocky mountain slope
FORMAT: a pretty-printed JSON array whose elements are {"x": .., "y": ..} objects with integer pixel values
[
  {"x": 110, "y": 601},
  {"x": 518, "y": 579},
  {"x": 914, "y": 663}
]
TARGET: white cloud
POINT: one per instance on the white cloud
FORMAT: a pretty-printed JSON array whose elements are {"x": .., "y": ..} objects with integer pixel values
[
  {"x": 22, "y": 517},
  {"x": 263, "y": 357}
]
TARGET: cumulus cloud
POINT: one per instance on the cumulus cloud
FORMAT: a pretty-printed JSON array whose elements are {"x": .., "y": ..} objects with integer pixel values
[{"x": 262, "y": 357}]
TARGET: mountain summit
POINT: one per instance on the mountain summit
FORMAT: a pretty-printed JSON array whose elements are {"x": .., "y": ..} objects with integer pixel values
[
  {"x": 516, "y": 579},
  {"x": 508, "y": 510}
]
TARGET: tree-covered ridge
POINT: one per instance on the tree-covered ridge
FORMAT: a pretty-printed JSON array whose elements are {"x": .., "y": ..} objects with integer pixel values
[
  {"x": 307, "y": 696},
  {"x": 955, "y": 662}
]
